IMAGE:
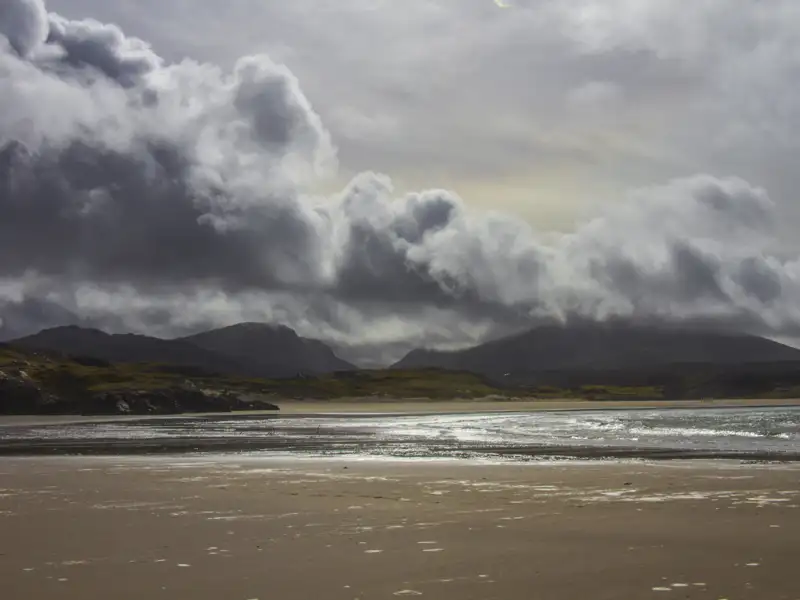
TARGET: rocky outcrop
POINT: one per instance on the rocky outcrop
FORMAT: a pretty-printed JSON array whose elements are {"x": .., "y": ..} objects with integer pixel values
[
  {"x": 19, "y": 394},
  {"x": 170, "y": 401}
]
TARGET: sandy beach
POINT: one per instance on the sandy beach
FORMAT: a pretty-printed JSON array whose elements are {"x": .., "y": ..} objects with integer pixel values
[
  {"x": 233, "y": 527},
  {"x": 422, "y": 406}
]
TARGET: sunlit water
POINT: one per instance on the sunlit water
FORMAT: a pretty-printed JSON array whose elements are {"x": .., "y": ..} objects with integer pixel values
[{"x": 745, "y": 431}]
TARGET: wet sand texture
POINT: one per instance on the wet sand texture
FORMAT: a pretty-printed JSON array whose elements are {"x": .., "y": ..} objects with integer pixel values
[{"x": 226, "y": 528}]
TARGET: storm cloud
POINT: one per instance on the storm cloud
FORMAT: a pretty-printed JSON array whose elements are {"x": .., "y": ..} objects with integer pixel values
[{"x": 164, "y": 196}]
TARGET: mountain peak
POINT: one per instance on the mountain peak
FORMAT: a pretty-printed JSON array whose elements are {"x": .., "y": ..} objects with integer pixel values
[
  {"x": 256, "y": 328},
  {"x": 249, "y": 349},
  {"x": 271, "y": 342},
  {"x": 602, "y": 346},
  {"x": 68, "y": 330}
]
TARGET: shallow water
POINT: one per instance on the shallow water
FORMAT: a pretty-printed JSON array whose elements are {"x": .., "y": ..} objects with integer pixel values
[{"x": 758, "y": 432}]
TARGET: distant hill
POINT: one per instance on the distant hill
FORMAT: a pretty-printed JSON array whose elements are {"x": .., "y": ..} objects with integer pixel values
[
  {"x": 48, "y": 382},
  {"x": 598, "y": 347},
  {"x": 246, "y": 350},
  {"x": 274, "y": 345},
  {"x": 73, "y": 340},
  {"x": 77, "y": 370}
]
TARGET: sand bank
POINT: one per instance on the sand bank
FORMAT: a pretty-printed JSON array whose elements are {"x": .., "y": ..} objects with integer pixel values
[{"x": 237, "y": 528}]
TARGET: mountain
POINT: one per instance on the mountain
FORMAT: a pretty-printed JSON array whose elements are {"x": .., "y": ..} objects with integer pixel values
[
  {"x": 248, "y": 350},
  {"x": 274, "y": 345},
  {"x": 85, "y": 342},
  {"x": 597, "y": 347}
]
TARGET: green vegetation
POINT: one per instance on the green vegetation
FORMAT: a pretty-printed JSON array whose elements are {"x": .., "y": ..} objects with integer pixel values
[
  {"x": 619, "y": 392},
  {"x": 390, "y": 384},
  {"x": 73, "y": 376},
  {"x": 73, "y": 379}
]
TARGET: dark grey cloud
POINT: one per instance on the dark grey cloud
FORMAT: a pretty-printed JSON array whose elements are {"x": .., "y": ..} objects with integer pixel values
[
  {"x": 30, "y": 315},
  {"x": 98, "y": 214},
  {"x": 164, "y": 196}
]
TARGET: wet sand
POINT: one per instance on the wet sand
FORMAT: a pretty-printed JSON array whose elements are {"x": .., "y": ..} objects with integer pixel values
[
  {"x": 281, "y": 434},
  {"x": 20, "y": 435},
  {"x": 293, "y": 407},
  {"x": 228, "y": 527}
]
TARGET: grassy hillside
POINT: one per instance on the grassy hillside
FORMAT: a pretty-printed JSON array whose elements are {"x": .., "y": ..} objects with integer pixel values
[
  {"x": 56, "y": 383},
  {"x": 75, "y": 376}
]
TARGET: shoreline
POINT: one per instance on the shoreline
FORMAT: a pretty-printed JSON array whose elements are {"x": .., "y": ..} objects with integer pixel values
[
  {"x": 358, "y": 408},
  {"x": 309, "y": 449},
  {"x": 295, "y": 432},
  {"x": 284, "y": 446}
]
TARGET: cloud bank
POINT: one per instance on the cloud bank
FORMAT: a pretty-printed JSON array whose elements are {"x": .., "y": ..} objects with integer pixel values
[{"x": 162, "y": 197}]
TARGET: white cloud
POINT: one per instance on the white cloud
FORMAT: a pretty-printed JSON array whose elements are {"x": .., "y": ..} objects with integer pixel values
[
  {"x": 197, "y": 176},
  {"x": 481, "y": 96}
]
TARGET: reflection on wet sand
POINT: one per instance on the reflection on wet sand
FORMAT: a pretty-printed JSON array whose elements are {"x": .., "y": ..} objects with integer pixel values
[
  {"x": 248, "y": 527},
  {"x": 757, "y": 433}
]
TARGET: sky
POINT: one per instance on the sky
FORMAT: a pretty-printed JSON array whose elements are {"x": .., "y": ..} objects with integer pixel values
[{"x": 387, "y": 174}]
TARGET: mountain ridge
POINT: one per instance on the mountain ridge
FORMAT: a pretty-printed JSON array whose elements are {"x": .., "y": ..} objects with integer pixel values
[
  {"x": 271, "y": 350},
  {"x": 281, "y": 343},
  {"x": 598, "y": 347},
  {"x": 292, "y": 355}
]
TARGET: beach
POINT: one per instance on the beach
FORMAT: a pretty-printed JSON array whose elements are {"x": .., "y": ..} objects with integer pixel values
[
  {"x": 422, "y": 406},
  {"x": 249, "y": 527},
  {"x": 482, "y": 405},
  {"x": 481, "y": 501}
]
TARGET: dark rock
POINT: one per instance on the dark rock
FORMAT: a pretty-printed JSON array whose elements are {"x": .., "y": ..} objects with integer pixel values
[
  {"x": 19, "y": 394},
  {"x": 186, "y": 399}
]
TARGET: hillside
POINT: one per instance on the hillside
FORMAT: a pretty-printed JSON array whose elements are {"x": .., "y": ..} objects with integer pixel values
[
  {"x": 34, "y": 382},
  {"x": 247, "y": 350},
  {"x": 127, "y": 348},
  {"x": 275, "y": 347},
  {"x": 598, "y": 347},
  {"x": 75, "y": 370}
]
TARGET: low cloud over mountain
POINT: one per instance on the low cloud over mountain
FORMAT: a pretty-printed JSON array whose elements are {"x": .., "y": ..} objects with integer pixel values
[{"x": 165, "y": 197}]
